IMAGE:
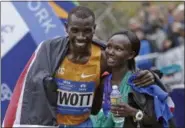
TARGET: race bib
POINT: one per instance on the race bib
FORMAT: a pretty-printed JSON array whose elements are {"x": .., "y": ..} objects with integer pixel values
[{"x": 74, "y": 98}]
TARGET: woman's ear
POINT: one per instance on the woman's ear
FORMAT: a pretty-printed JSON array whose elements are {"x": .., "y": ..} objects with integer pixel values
[{"x": 132, "y": 55}]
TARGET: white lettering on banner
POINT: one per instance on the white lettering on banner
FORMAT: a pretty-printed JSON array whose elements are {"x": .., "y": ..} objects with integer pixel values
[
  {"x": 48, "y": 25},
  {"x": 6, "y": 30},
  {"x": 34, "y": 6},
  {"x": 42, "y": 14},
  {"x": 13, "y": 27},
  {"x": 6, "y": 93},
  {"x": 74, "y": 99}
]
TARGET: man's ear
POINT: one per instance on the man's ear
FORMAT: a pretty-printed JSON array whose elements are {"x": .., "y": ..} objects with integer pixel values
[
  {"x": 66, "y": 26},
  {"x": 94, "y": 27},
  {"x": 132, "y": 55}
]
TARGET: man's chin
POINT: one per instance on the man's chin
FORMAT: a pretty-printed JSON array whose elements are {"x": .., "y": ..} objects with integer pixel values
[{"x": 81, "y": 47}]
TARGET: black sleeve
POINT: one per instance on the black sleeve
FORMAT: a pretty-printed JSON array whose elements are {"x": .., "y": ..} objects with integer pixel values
[
  {"x": 97, "y": 101},
  {"x": 158, "y": 72},
  {"x": 158, "y": 81},
  {"x": 50, "y": 88}
]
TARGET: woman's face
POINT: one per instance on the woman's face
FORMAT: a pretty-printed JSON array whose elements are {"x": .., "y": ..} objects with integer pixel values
[{"x": 118, "y": 50}]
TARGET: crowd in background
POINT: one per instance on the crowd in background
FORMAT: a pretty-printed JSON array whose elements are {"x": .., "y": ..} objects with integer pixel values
[{"x": 161, "y": 31}]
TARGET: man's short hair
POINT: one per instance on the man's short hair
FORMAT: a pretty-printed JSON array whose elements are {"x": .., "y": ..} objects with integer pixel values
[{"x": 81, "y": 12}]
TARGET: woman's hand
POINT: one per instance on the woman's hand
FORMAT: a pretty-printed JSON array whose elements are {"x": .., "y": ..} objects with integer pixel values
[
  {"x": 144, "y": 78},
  {"x": 123, "y": 110}
]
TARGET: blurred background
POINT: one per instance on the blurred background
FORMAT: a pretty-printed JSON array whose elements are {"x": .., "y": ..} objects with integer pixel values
[{"x": 159, "y": 26}]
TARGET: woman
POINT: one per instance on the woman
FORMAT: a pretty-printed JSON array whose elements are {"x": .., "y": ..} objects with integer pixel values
[{"x": 137, "y": 107}]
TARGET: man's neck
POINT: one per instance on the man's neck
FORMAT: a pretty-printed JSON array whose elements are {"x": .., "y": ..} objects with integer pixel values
[
  {"x": 118, "y": 74},
  {"x": 79, "y": 56}
]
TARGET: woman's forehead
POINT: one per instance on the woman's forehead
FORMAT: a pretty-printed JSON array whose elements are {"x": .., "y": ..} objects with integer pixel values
[{"x": 120, "y": 38}]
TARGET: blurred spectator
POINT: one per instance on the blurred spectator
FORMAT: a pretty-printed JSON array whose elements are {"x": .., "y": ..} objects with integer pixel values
[
  {"x": 161, "y": 29},
  {"x": 145, "y": 49},
  {"x": 177, "y": 33},
  {"x": 167, "y": 45},
  {"x": 156, "y": 35},
  {"x": 134, "y": 24},
  {"x": 178, "y": 13},
  {"x": 176, "y": 29},
  {"x": 170, "y": 16},
  {"x": 152, "y": 25},
  {"x": 170, "y": 57}
]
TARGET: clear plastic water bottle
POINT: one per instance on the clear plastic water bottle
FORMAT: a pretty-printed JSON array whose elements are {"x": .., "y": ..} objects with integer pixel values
[{"x": 116, "y": 98}]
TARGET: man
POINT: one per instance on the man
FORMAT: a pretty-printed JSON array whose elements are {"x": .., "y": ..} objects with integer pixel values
[{"x": 68, "y": 68}]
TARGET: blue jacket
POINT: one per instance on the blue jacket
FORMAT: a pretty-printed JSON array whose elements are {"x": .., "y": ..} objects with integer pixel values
[{"x": 162, "y": 109}]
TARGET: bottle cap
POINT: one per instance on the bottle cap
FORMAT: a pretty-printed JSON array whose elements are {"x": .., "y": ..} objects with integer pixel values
[{"x": 114, "y": 86}]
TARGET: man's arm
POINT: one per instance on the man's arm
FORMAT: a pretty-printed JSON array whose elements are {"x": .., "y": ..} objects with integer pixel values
[
  {"x": 159, "y": 83},
  {"x": 98, "y": 98},
  {"x": 149, "y": 77},
  {"x": 157, "y": 73}
]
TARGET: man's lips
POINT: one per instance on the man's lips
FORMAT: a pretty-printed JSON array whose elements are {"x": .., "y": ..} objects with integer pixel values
[{"x": 80, "y": 43}]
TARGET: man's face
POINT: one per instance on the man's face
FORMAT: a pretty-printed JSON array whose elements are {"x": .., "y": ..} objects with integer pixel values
[{"x": 80, "y": 32}]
